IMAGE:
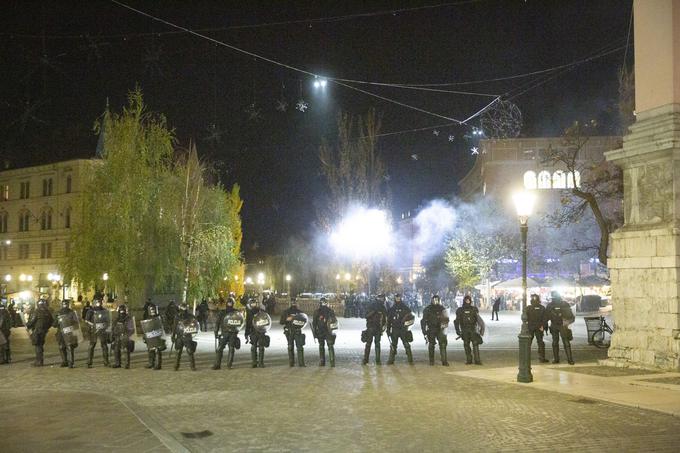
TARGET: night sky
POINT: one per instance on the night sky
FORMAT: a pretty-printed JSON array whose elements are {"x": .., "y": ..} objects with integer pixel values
[{"x": 61, "y": 61}]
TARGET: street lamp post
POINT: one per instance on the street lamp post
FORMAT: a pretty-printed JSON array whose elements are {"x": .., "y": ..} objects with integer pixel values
[{"x": 524, "y": 203}]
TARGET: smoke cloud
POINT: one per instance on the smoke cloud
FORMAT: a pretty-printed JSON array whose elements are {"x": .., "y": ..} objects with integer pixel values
[{"x": 433, "y": 224}]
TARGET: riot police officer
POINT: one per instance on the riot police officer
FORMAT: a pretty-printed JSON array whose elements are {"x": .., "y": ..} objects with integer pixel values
[
  {"x": 229, "y": 322},
  {"x": 324, "y": 323},
  {"x": 433, "y": 325},
  {"x": 186, "y": 327},
  {"x": 170, "y": 316},
  {"x": 376, "y": 321},
  {"x": 39, "y": 324},
  {"x": 399, "y": 320},
  {"x": 559, "y": 313},
  {"x": 6, "y": 330},
  {"x": 67, "y": 326},
  {"x": 153, "y": 337},
  {"x": 257, "y": 324},
  {"x": 122, "y": 330},
  {"x": 470, "y": 328},
  {"x": 293, "y": 320},
  {"x": 98, "y": 318},
  {"x": 538, "y": 324}
]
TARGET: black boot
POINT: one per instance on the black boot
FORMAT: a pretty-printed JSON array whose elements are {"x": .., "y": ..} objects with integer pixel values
[
  {"x": 541, "y": 353},
  {"x": 331, "y": 355},
  {"x": 301, "y": 357},
  {"x": 72, "y": 357},
  {"x": 377, "y": 354},
  {"x": 367, "y": 353},
  {"x": 475, "y": 352},
  {"x": 192, "y": 361},
  {"x": 409, "y": 354},
  {"x": 253, "y": 356},
  {"x": 322, "y": 354},
  {"x": 260, "y": 359},
  {"x": 393, "y": 354},
  {"x": 177, "y": 359},
  {"x": 556, "y": 354},
  {"x": 468, "y": 354},
  {"x": 90, "y": 355},
  {"x": 127, "y": 359},
  {"x": 159, "y": 360},
  {"x": 430, "y": 353},
  {"x": 230, "y": 358},
  {"x": 567, "y": 351},
  {"x": 291, "y": 357},
  {"x": 64, "y": 359},
  {"x": 442, "y": 353},
  {"x": 116, "y": 357},
  {"x": 38, "y": 356},
  {"x": 105, "y": 353},
  {"x": 218, "y": 360},
  {"x": 152, "y": 358}
]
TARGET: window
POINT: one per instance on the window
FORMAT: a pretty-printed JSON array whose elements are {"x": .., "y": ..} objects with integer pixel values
[
  {"x": 25, "y": 191},
  {"x": 530, "y": 180},
  {"x": 46, "y": 219},
  {"x": 67, "y": 217},
  {"x": 3, "y": 253},
  {"x": 47, "y": 187},
  {"x": 46, "y": 250},
  {"x": 544, "y": 180},
  {"x": 5, "y": 192},
  {"x": 3, "y": 222},
  {"x": 24, "y": 218},
  {"x": 69, "y": 181},
  {"x": 559, "y": 180},
  {"x": 23, "y": 251}
]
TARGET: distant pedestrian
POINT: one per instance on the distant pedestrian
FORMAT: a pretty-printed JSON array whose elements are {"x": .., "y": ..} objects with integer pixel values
[
  {"x": 202, "y": 315},
  {"x": 496, "y": 306},
  {"x": 5, "y": 331}
]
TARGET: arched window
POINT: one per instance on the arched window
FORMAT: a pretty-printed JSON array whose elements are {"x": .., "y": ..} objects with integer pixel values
[
  {"x": 3, "y": 221},
  {"x": 24, "y": 217},
  {"x": 46, "y": 219},
  {"x": 544, "y": 180},
  {"x": 530, "y": 180},
  {"x": 67, "y": 217},
  {"x": 559, "y": 180}
]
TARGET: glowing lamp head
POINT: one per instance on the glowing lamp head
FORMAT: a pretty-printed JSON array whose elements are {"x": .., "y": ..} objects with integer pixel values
[
  {"x": 8, "y": 278},
  {"x": 317, "y": 84},
  {"x": 524, "y": 204},
  {"x": 288, "y": 278}
]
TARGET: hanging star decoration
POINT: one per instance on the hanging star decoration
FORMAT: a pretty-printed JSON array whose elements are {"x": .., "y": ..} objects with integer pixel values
[
  {"x": 414, "y": 156},
  {"x": 253, "y": 112},
  {"x": 475, "y": 150},
  {"x": 281, "y": 105},
  {"x": 387, "y": 178},
  {"x": 435, "y": 132},
  {"x": 451, "y": 137},
  {"x": 214, "y": 134},
  {"x": 302, "y": 105}
]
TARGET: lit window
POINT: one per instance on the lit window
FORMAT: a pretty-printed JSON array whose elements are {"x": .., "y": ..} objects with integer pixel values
[
  {"x": 530, "y": 180},
  {"x": 544, "y": 180},
  {"x": 559, "y": 180},
  {"x": 577, "y": 178}
]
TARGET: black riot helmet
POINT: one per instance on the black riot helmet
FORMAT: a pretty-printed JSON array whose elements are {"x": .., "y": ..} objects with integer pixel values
[
  {"x": 42, "y": 302},
  {"x": 380, "y": 298},
  {"x": 65, "y": 303},
  {"x": 183, "y": 306},
  {"x": 97, "y": 302},
  {"x": 436, "y": 300},
  {"x": 467, "y": 300},
  {"x": 293, "y": 302},
  {"x": 122, "y": 309},
  {"x": 230, "y": 302},
  {"x": 153, "y": 310},
  {"x": 535, "y": 299},
  {"x": 397, "y": 298},
  {"x": 323, "y": 302}
]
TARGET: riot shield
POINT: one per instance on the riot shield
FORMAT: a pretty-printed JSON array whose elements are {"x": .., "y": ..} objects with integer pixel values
[
  {"x": 409, "y": 320},
  {"x": 154, "y": 333},
  {"x": 70, "y": 328},
  {"x": 189, "y": 327},
  {"x": 262, "y": 322},
  {"x": 101, "y": 319},
  {"x": 299, "y": 320},
  {"x": 332, "y": 323},
  {"x": 233, "y": 322}
]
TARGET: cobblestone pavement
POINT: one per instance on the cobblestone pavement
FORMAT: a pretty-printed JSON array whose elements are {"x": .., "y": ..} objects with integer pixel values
[{"x": 348, "y": 408}]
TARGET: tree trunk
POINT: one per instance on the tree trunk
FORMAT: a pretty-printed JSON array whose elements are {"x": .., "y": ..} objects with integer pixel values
[{"x": 601, "y": 223}]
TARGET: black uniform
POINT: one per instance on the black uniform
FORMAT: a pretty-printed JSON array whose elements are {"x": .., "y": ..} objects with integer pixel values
[
  {"x": 538, "y": 324},
  {"x": 396, "y": 330},
  {"x": 145, "y": 310},
  {"x": 376, "y": 321},
  {"x": 228, "y": 337},
  {"x": 467, "y": 323},
  {"x": 184, "y": 340},
  {"x": 322, "y": 332},
  {"x": 434, "y": 316},
  {"x": 155, "y": 352},
  {"x": 170, "y": 316},
  {"x": 39, "y": 324},
  {"x": 122, "y": 330},
  {"x": 67, "y": 351},
  {"x": 203, "y": 310},
  {"x": 97, "y": 334},
  {"x": 560, "y": 316},
  {"x": 258, "y": 339},
  {"x": 294, "y": 335},
  {"x": 495, "y": 307},
  {"x": 6, "y": 329}
]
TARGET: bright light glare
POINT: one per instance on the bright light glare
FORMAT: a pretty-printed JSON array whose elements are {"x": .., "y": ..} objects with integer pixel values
[
  {"x": 8, "y": 278},
  {"x": 317, "y": 84},
  {"x": 363, "y": 234},
  {"x": 323, "y": 83},
  {"x": 524, "y": 203},
  {"x": 288, "y": 277}
]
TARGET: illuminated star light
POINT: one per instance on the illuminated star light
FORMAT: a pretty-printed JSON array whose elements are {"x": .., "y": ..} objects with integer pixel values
[
  {"x": 474, "y": 150},
  {"x": 414, "y": 156},
  {"x": 281, "y": 105},
  {"x": 435, "y": 132},
  {"x": 302, "y": 105},
  {"x": 451, "y": 137}
]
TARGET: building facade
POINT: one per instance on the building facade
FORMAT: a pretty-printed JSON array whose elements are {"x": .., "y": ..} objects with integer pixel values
[{"x": 38, "y": 208}]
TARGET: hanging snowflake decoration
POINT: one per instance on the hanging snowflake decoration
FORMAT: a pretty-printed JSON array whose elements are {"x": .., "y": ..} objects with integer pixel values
[
  {"x": 451, "y": 137},
  {"x": 302, "y": 105},
  {"x": 474, "y": 150},
  {"x": 281, "y": 105},
  {"x": 253, "y": 112},
  {"x": 435, "y": 133},
  {"x": 213, "y": 134},
  {"x": 414, "y": 156},
  {"x": 502, "y": 120}
]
